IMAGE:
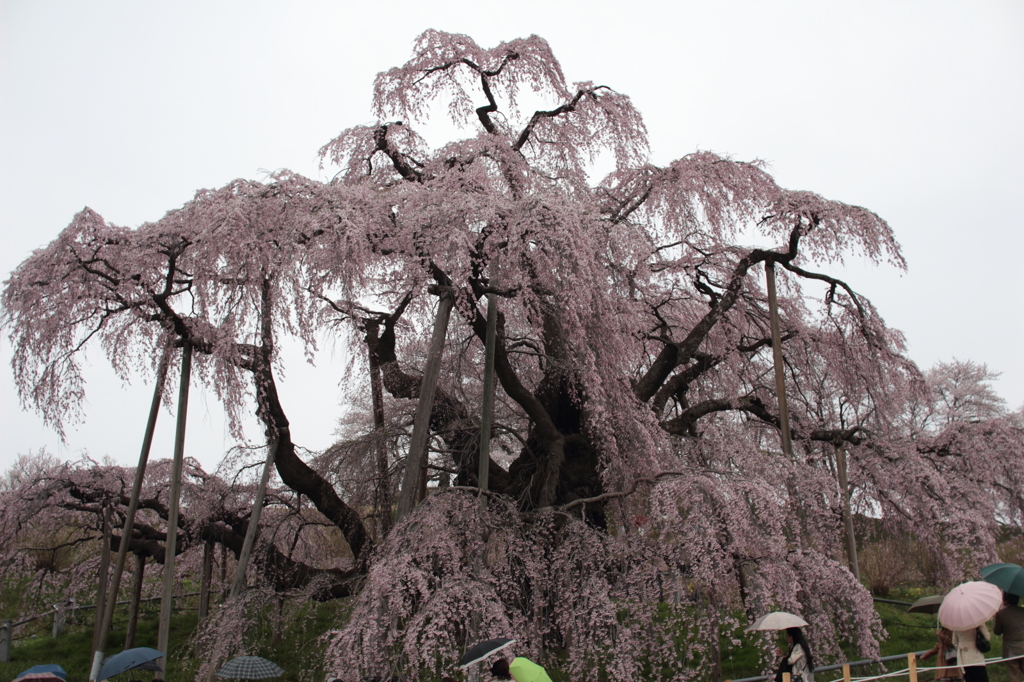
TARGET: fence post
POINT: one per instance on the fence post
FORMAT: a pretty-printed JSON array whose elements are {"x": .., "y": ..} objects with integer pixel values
[
  {"x": 59, "y": 614},
  {"x": 912, "y": 666},
  {"x": 846, "y": 672},
  {"x": 5, "y": 641}
]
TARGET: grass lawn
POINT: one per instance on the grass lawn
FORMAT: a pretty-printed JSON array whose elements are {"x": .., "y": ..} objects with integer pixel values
[{"x": 300, "y": 646}]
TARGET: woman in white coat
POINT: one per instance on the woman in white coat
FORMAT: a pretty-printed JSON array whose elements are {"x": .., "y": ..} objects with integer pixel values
[{"x": 967, "y": 655}]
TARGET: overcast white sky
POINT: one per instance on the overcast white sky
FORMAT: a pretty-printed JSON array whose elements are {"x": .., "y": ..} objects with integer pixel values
[{"x": 912, "y": 109}]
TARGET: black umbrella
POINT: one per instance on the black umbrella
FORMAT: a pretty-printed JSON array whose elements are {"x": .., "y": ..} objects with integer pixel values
[
  {"x": 250, "y": 668},
  {"x": 479, "y": 652}
]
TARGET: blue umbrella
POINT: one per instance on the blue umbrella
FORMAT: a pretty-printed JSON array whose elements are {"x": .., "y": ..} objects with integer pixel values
[
  {"x": 127, "y": 660},
  {"x": 52, "y": 668}
]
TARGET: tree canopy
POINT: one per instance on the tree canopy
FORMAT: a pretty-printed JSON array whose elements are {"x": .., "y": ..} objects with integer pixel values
[{"x": 637, "y": 419}]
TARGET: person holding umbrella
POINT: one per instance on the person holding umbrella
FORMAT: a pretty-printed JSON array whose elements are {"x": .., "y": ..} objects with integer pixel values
[
  {"x": 968, "y": 656},
  {"x": 965, "y": 610},
  {"x": 798, "y": 658},
  {"x": 1010, "y": 624}
]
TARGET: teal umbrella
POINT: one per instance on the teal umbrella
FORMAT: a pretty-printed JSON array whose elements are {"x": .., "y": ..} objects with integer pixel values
[{"x": 1007, "y": 577}]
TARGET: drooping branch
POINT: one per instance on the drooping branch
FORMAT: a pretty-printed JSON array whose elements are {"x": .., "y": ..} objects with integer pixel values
[{"x": 566, "y": 108}]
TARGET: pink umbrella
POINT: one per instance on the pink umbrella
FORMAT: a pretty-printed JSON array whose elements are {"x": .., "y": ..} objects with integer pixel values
[{"x": 968, "y": 605}]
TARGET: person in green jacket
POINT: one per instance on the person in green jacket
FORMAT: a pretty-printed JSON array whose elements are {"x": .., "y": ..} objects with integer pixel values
[{"x": 521, "y": 670}]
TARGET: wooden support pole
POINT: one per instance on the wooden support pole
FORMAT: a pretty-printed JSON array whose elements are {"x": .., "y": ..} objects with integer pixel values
[
  {"x": 224, "y": 573},
  {"x": 278, "y": 626},
  {"x": 103, "y": 577},
  {"x": 59, "y": 618},
  {"x": 846, "y": 672},
  {"x": 780, "y": 376},
  {"x": 912, "y": 666},
  {"x": 164, "y": 632},
  {"x": 847, "y": 511},
  {"x": 416, "y": 460},
  {"x": 129, "y": 521},
  {"x": 483, "y": 470},
  {"x": 204, "y": 580},
  {"x": 133, "y": 608},
  {"x": 238, "y": 586},
  {"x": 382, "y": 501},
  {"x": 6, "y": 634},
  {"x": 787, "y": 677}
]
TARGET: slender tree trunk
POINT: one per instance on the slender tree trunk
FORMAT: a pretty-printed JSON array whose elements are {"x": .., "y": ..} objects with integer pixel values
[
  {"x": 133, "y": 607},
  {"x": 164, "y": 633},
  {"x": 714, "y": 649},
  {"x": 129, "y": 521},
  {"x": 415, "y": 463},
  {"x": 204, "y": 582},
  {"x": 780, "y": 376},
  {"x": 382, "y": 499},
  {"x": 104, "y": 576},
  {"x": 844, "y": 501},
  {"x": 254, "y": 519}
]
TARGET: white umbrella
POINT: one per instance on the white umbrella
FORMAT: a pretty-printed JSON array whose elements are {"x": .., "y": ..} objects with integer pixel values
[
  {"x": 970, "y": 604},
  {"x": 777, "y": 620}
]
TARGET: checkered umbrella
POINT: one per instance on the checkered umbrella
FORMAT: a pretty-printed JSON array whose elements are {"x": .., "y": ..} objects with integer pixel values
[{"x": 250, "y": 668}]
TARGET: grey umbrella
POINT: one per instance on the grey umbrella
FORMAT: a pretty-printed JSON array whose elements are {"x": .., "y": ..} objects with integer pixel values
[
  {"x": 250, "y": 668},
  {"x": 128, "y": 660},
  {"x": 927, "y": 604}
]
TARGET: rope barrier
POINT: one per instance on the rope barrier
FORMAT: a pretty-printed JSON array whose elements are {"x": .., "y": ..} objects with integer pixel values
[{"x": 906, "y": 671}]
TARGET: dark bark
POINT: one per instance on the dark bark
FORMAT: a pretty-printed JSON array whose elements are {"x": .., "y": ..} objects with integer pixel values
[{"x": 449, "y": 418}]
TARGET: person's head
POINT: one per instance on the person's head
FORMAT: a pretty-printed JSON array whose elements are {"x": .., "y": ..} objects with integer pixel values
[
  {"x": 500, "y": 669},
  {"x": 1010, "y": 599}
]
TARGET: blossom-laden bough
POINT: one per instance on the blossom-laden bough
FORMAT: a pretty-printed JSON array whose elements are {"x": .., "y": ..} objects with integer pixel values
[{"x": 637, "y": 421}]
